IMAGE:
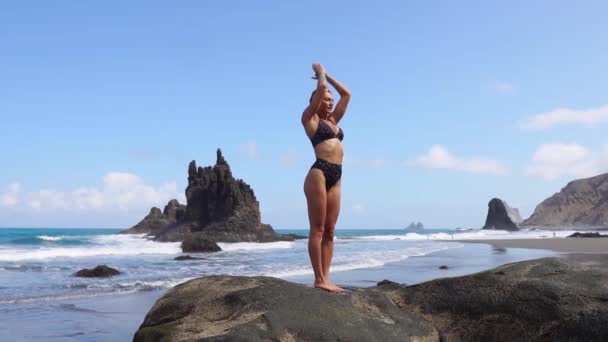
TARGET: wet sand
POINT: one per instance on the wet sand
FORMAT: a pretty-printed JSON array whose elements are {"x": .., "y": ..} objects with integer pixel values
[{"x": 564, "y": 245}]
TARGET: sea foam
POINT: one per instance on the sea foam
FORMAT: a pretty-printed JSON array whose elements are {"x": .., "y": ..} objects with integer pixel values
[
  {"x": 362, "y": 260},
  {"x": 122, "y": 245},
  {"x": 50, "y": 238},
  {"x": 253, "y": 246},
  {"x": 472, "y": 235}
]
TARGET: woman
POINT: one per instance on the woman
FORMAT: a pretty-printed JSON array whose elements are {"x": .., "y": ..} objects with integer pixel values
[{"x": 322, "y": 183}]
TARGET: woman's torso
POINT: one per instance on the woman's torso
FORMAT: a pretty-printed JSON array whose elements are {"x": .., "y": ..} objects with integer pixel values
[{"x": 329, "y": 147}]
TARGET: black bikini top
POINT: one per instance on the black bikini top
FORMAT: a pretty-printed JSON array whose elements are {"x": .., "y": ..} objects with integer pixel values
[{"x": 325, "y": 132}]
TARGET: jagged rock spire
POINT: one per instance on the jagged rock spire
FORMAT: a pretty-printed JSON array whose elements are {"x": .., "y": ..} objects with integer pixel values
[
  {"x": 220, "y": 159},
  {"x": 218, "y": 207},
  {"x": 192, "y": 170}
]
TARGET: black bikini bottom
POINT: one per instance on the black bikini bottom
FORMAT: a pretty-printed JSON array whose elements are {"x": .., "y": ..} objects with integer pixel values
[{"x": 331, "y": 171}]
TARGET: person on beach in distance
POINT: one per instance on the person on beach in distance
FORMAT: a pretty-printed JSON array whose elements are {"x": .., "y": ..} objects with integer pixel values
[{"x": 322, "y": 183}]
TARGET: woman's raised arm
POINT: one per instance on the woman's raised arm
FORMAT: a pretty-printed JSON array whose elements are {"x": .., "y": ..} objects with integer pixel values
[
  {"x": 344, "y": 98},
  {"x": 317, "y": 97}
]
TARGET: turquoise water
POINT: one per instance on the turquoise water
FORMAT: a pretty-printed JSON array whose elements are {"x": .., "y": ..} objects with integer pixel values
[
  {"x": 350, "y": 233},
  {"x": 38, "y": 264},
  {"x": 75, "y": 236},
  {"x": 50, "y": 236}
]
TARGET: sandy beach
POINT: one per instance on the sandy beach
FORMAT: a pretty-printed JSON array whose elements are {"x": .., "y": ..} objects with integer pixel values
[{"x": 564, "y": 245}]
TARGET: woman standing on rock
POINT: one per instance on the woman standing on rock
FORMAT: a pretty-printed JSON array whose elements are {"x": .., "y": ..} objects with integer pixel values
[{"x": 322, "y": 183}]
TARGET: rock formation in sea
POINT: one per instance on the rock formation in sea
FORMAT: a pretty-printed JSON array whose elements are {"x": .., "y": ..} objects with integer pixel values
[
  {"x": 157, "y": 221},
  {"x": 514, "y": 214},
  {"x": 546, "y": 299},
  {"x": 415, "y": 225},
  {"x": 501, "y": 216},
  {"x": 100, "y": 271},
  {"x": 218, "y": 208},
  {"x": 582, "y": 203},
  {"x": 187, "y": 257},
  {"x": 197, "y": 243}
]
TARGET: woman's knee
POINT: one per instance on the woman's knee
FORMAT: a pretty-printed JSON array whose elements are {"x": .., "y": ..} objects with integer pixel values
[
  {"x": 328, "y": 233},
  {"x": 316, "y": 233}
]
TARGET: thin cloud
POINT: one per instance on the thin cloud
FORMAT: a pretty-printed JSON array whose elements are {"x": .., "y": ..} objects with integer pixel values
[
  {"x": 552, "y": 161},
  {"x": 48, "y": 199},
  {"x": 565, "y": 116},
  {"x": 118, "y": 191},
  {"x": 249, "y": 150},
  {"x": 439, "y": 157},
  {"x": 11, "y": 197}
]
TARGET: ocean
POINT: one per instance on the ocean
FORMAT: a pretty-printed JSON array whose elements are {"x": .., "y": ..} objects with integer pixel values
[{"x": 41, "y": 300}]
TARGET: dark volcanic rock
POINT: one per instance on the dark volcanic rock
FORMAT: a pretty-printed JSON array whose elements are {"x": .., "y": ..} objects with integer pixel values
[
  {"x": 415, "y": 225},
  {"x": 157, "y": 221},
  {"x": 197, "y": 243},
  {"x": 219, "y": 208},
  {"x": 183, "y": 257},
  {"x": 174, "y": 211},
  {"x": 213, "y": 195},
  {"x": 581, "y": 203},
  {"x": 186, "y": 257},
  {"x": 101, "y": 271},
  {"x": 587, "y": 235},
  {"x": 225, "y": 308},
  {"x": 500, "y": 216},
  {"x": 550, "y": 299},
  {"x": 386, "y": 282},
  {"x": 443, "y": 267}
]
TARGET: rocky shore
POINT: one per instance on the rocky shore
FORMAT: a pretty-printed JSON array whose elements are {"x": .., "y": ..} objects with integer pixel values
[{"x": 549, "y": 299}]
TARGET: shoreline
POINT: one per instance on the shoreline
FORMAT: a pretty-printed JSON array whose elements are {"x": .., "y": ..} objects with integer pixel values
[
  {"x": 460, "y": 258},
  {"x": 118, "y": 317},
  {"x": 562, "y": 245}
]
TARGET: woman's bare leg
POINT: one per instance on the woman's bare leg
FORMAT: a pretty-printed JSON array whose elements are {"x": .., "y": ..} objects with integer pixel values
[
  {"x": 316, "y": 198},
  {"x": 331, "y": 217}
]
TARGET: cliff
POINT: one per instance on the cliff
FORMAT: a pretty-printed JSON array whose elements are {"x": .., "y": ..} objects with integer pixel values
[{"x": 581, "y": 203}]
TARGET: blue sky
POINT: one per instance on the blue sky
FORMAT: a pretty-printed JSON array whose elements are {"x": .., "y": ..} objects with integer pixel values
[{"x": 103, "y": 105}]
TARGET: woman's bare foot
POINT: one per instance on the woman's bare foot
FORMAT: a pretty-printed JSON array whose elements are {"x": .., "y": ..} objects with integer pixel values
[
  {"x": 329, "y": 287},
  {"x": 335, "y": 286}
]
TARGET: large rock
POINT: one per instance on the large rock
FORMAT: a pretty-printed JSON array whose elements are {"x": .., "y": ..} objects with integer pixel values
[
  {"x": 550, "y": 299},
  {"x": 196, "y": 243},
  {"x": 226, "y": 308},
  {"x": 501, "y": 216},
  {"x": 187, "y": 257},
  {"x": 582, "y": 203},
  {"x": 219, "y": 208},
  {"x": 415, "y": 225},
  {"x": 100, "y": 271},
  {"x": 587, "y": 235}
]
